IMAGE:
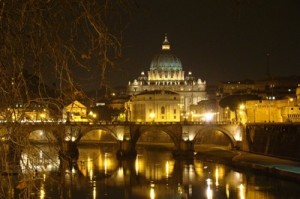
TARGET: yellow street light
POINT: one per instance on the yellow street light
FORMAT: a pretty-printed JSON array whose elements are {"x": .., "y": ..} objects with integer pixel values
[
  {"x": 242, "y": 107},
  {"x": 92, "y": 114},
  {"x": 152, "y": 116},
  {"x": 208, "y": 117},
  {"x": 290, "y": 101}
]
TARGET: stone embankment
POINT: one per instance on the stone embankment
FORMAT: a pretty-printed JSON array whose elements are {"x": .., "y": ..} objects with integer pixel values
[{"x": 266, "y": 165}]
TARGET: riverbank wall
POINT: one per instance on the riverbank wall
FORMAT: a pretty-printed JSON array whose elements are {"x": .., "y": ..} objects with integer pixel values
[{"x": 273, "y": 139}]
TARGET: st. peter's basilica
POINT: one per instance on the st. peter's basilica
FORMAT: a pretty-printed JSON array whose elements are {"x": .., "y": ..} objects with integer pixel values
[{"x": 151, "y": 91}]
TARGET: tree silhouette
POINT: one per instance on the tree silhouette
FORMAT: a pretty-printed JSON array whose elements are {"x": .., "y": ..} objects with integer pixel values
[
  {"x": 233, "y": 102},
  {"x": 43, "y": 47}
]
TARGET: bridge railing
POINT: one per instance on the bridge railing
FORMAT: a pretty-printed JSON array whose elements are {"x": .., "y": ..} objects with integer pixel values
[{"x": 115, "y": 123}]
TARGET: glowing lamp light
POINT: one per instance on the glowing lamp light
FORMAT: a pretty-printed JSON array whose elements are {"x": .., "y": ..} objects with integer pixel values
[
  {"x": 209, "y": 192},
  {"x": 92, "y": 114},
  {"x": 242, "y": 107},
  {"x": 120, "y": 136},
  {"x": 152, "y": 115},
  {"x": 152, "y": 191},
  {"x": 208, "y": 116},
  {"x": 242, "y": 191},
  {"x": 43, "y": 115},
  {"x": 238, "y": 135}
]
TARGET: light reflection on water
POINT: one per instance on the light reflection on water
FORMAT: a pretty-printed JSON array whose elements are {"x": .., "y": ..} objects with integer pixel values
[{"x": 152, "y": 174}]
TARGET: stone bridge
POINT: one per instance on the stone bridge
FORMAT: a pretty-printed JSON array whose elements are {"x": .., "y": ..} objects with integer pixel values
[{"x": 183, "y": 135}]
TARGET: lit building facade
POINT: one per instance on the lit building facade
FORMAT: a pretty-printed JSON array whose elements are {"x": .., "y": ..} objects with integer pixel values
[
  {"x": 236, "y": 87},
  {"x": 204, "y": 111},
  {"x": 270, "y": 88},
  {"x": 32, "y": 112},
  {"x": 154, "y": 106},
  {"x": 75, "y": 112},
  {"x": 166, "y": 74},
  {"x": 283, "y": 110}
]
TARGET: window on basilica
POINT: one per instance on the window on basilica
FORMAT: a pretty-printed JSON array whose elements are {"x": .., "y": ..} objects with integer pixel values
[{"x": 162, "y": 110}]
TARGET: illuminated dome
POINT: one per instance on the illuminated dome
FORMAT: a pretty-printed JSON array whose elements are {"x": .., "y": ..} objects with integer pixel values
[{"x": 165, "y": 61}]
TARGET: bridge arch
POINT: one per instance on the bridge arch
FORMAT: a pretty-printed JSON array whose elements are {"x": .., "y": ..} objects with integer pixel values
[
  {"x": 41, "y": 134},
  {"x": 97, "y": 132},
  {"x": 224, "y": 131},
  {"x": 174, "y": 137}
]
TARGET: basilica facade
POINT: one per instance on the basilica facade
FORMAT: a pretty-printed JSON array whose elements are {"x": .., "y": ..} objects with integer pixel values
[{"x": 166, "y": 74}]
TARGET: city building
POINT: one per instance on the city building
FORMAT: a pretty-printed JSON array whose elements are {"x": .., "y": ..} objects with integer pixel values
[
  {"x": 236, "y": 87},
  {"x": 205, "y": 111},
  {"x": 31, "y": 112},
  {"x": 166, "y": 74},
  {"x": 75, "y": 112},
  {"x": 268, "y": 88},
  {"x": 154, "y": 106},
  {"x": 272, "y": 110},
  {"x": 279, "y": 100}
]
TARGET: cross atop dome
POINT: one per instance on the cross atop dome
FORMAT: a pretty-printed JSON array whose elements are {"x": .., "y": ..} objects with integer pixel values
[
  {"x": 165, "y": 61},
  {"x": 166, "y": 44}
]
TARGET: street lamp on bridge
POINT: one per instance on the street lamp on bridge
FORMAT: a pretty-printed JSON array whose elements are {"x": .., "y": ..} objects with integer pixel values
[{"x": 152, "y": 116}]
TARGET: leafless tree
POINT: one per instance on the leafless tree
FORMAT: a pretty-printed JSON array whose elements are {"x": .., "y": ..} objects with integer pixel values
[{"x": 42, "y": 44}]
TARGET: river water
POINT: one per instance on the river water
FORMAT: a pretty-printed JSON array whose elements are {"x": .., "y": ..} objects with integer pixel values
[{"x": 152, "y": 174}]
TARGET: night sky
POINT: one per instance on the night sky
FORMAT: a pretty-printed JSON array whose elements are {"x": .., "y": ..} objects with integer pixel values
[{"x": 215, "y": 39}]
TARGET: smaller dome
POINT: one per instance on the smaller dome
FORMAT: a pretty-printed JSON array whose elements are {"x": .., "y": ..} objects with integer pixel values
[{"x": 165, "y": 61}]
